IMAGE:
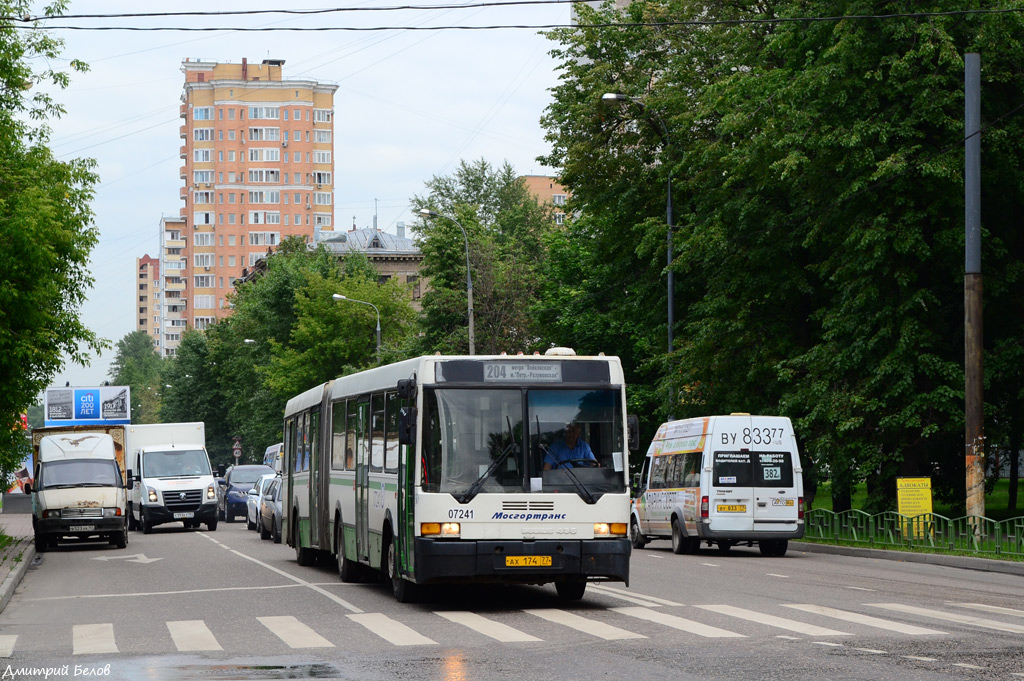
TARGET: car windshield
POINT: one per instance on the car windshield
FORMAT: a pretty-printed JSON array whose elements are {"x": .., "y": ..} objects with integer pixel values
[
  {"x": 474, "y": 443},
  {"x": 175, "y": 463},
  {"x": 79, "y": 472},
  {"x": 248, "y": 476}
]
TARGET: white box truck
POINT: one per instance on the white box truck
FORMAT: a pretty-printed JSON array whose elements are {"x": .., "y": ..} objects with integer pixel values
[
  {"x": 78, "y": 492},
  {"x": 172, "y": 480}
]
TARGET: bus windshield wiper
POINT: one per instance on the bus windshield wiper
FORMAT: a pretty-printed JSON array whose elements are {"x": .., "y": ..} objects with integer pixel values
[
  {"x": 474, "y": 489},
  {"x": 580, "y": 487}
]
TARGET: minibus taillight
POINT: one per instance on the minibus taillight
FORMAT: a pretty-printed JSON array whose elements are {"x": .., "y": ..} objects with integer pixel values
[
  {"x": 703, "y": 507},
  {"x": 800, "y": 508}
]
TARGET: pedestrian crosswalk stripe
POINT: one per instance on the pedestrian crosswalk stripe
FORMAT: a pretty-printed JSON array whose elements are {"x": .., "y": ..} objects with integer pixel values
[
  {"x": 294, "y": 633},
  {"x": 496, "y": 630},
  {"x": 867, "y": 620},
  {"x": 598, "y": 629},
  {"x": 391, "y": 630},
  {"x": 773, "y": 621},
  {"x": 7, "y": 645},
  {"x": 679, "y": 623},
  {"x": 952, "y": 617},
  {"x": 93, "y": 638},
  {"x": 630, "y": 597},
  {"x": 192, "y": 635},
  {"x": 992, "y": 608}
]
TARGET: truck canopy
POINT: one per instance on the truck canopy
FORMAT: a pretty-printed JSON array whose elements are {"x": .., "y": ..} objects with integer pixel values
[{"x": 76, "y": 446}]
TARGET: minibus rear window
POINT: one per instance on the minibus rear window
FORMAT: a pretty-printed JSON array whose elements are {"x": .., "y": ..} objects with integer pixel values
[
  {"x": 732, "y": 469},
  {"x": 774, "y": 469}
]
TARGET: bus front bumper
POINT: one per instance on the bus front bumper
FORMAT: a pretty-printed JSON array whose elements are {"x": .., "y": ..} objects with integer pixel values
[{"x": 496, "y": 561}]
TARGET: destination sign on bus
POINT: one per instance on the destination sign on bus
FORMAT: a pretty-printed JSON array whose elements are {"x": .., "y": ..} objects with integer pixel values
[{"x": 522, "y": 371}]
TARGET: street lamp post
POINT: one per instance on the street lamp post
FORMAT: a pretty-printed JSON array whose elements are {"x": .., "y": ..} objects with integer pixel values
[
  {"x": 338, "y": 296},
  {"x": 615, "y": 97},
  {"x": 426, "y": 212}
]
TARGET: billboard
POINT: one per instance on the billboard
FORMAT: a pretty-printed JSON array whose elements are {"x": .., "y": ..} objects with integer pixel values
[{"x": 87, "y": 406}]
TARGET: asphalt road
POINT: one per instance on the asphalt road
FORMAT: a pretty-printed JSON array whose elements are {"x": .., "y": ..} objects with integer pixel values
[{"x": 191, "y": 604}]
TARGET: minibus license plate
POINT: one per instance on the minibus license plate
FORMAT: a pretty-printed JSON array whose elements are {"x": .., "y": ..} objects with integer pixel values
[
  {"x": 189, "y": 514},
  {"x": 732, "y": 508},
  {"x": 82, "y": 528},
  {"x": 527, "y": 561}
]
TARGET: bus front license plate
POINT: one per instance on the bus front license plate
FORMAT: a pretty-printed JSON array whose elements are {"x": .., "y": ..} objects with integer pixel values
[
  {"x": 527, "y": 561},
  {"x": 82, "y": 528},
  {"x": 732, "y": 508},
  {"x": 188, "y": 514}
]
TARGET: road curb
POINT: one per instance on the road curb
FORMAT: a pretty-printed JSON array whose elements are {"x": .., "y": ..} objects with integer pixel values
[
  {"x": 17, "y": 574},
  {"x": 962, "y": 562}
]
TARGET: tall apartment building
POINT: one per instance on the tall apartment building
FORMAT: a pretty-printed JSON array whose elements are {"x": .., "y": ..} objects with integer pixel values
[
  {"x": 259, "y": 167},
  {"x": 147, "y": 280}
]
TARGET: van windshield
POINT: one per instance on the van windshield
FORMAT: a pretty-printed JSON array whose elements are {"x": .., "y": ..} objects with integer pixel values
[
  {"x": 79, "y": 473},
  {"x": 175, "y": 463},
  {"x": 752, "y": 469}
]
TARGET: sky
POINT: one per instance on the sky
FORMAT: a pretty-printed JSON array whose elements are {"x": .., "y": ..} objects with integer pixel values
[{"x": 410, "y": 105}]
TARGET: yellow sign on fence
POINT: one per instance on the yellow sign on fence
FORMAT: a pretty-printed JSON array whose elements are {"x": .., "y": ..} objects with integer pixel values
[{"x": 914, "y": 497}]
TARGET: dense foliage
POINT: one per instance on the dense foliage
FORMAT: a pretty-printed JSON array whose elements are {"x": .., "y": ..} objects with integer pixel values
[
  {"x": 818, "y": 174},
  {"x": 137, "y": 364},
  {"x": 46, "y": 228}
]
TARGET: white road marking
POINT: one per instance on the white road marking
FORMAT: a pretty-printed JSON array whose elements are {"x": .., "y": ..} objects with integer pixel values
[
  {"x": 828, "y": 643},
  {"x": 7, "y": 645},
  {"x": 952, "y": 617},
  {"x": 772, "y": 574},
  {"x": 93, "y": 638},
  {"x": 482, "y": 625},
  {"x": 711, "y": 564},
  {"x": 773, "y": 621},
  {"x": 166, "y": 593},
  {"x": 679, "y": 623},
  {"x": 862, "y": 619},
  {"x": 294, "y": 633},
  {"x": 873, "y": 651},
  {"x": 598, "y": 629},
  {"x": 391, "y": 630},
  {"x": 191, "y": 635},
  {"x": 309, "y": 585},
  {"x": 991, "y": 608},
  {"x": 640, "y": 599},
  {"x": 859, "y": 588},
  {"x": 966, "y": 666},
  {"x": 788, "y": 638},
  {"x": 920, "y": 659}
]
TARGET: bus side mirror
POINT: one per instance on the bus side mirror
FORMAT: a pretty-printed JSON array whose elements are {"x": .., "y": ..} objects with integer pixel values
[
  {"x": 633, "y": 432},
  {"x": 407, "y": 388},
  {"x": 407, "y": 426}
]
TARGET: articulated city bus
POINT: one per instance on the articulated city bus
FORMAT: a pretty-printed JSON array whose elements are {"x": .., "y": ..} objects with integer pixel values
[{"x": 443, "y": 469}]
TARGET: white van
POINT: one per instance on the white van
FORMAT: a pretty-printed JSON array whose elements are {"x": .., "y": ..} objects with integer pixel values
[
  {"x": 274, "y": 457},
  {"x": 78, "y": 491},
  {"x": 723, "y": 480}
]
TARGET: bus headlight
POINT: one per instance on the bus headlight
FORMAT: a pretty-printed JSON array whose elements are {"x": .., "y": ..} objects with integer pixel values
[
  {"x": 609, "y": 529},
  {"x": 442, "y": 529},
  {"x": 450, "y": 530}
]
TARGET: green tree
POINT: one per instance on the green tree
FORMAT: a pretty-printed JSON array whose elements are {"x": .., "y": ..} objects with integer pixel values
[
  {"x": 45, "y": 226},
  {"x": 816, "y": 167},
  {"x": 505, "y": 228},
  {"x": 137, "y": 364}
]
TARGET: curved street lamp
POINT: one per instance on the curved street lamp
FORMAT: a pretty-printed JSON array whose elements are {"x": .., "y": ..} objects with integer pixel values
[
  {"x": 338, "y": 296},
  {"x": 426, "y": 212},
  {"x": 619, "y": 98}
]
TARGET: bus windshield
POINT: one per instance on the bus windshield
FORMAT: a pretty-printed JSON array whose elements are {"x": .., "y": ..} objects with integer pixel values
[{"x": 474, "y": 441}]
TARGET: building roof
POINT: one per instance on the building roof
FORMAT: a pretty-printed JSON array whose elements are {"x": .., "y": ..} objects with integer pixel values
[{"x": 369, "y": 241}]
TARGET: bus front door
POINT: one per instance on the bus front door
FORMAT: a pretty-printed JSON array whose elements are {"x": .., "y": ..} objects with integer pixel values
[{"x": 363, "y": 482}]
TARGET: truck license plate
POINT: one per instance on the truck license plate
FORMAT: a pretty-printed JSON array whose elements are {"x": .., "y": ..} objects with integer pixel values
[
  {"x": 82, "y": 528},
  {"x": 184, "y": 514}
]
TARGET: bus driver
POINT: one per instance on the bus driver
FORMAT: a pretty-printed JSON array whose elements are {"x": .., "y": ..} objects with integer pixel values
[{"x": 565, "y": 453}]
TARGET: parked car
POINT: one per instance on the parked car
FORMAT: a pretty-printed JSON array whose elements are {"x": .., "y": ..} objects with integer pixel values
[
  {"x": 234, "y": 488},
  {"x": 270, "y": 512},
  {"x": 253, "y": 499}
]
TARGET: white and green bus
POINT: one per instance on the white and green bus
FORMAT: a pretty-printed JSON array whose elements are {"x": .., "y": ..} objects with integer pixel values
[{"x": 432, "y": 470}]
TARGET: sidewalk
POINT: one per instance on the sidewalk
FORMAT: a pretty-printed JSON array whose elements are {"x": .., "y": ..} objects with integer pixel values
[
  {"x": 16, "y": 523},
  {"x": 1010, "y": 567}
]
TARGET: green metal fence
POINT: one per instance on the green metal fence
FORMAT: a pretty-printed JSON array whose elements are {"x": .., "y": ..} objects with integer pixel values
[{"x": 969, "y": 534}]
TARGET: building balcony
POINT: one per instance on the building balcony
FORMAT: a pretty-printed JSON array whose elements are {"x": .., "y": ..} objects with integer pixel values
[
  {"x": 179, "y": 286},
  {"x": 181, "y": 152},
  {"x": 183, "y": 132},
  {"x": 183, "y": 193},
  {"x": 182, "y": 172},
  {"x": 183, "y": 111}
]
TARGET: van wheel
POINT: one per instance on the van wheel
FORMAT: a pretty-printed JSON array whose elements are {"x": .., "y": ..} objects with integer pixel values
[
  {"x": 724, "y": 546},
  {"x": 636, "y": 538},
  {"x": 774, "y": 548},
  {"x": 781, "y": 546},
  {"x": 571, "y": 589},
  {"x": 211, "y": 526},
  {"x": 120, "y": 540},
  {"x": 681, "y": 544},
  {"x": 147, "y": 526},
  {"x": 42, "y": 543},
  {"x": 132, "y": 525}
]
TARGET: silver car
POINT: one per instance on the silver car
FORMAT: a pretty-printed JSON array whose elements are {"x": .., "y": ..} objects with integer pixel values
[
  {"x": 253, "y": 499},
  {"x": 270, "y": 512}
]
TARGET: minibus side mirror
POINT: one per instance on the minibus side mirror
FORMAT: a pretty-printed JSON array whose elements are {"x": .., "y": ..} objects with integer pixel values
[
  {"x": 28, "y": 488},
  {"x": 633, "y": 432}
]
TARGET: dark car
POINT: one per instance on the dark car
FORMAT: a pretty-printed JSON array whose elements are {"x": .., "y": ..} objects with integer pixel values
[
  {"x": 269, "y": 521},
  {"x": 234, "y": 489}
]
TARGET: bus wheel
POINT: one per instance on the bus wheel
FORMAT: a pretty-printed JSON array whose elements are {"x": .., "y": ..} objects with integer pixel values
[
  {"x": 571, "y": 589},
  {"x": 639, "y": 541},
  {"x": 404, "y": 590},
  {"x": 680, "y": 542},
  {"x": 348, "y": 570},
  {"x": 303, "y": 555}
]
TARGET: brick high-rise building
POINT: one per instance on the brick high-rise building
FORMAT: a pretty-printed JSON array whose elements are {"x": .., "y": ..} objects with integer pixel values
[
  {"x": 147, "y": 279},
  {"x": 259, "y": 167}
]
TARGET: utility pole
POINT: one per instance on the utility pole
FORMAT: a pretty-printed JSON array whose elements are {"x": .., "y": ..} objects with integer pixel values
[{"x": 973, "y": 375}]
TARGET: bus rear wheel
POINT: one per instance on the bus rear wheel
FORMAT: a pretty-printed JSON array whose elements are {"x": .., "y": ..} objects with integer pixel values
[{"x": 348, "y": 570}]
